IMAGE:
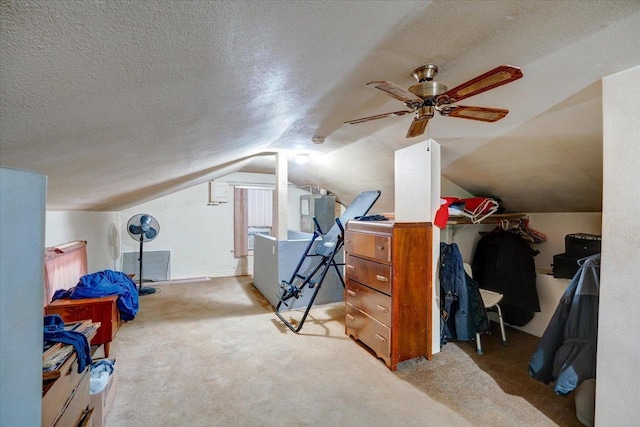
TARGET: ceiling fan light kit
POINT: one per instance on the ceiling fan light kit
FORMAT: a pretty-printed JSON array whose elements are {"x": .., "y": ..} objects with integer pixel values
[
  {"x": 428, "y": 96},
  {"x": 302, "y": 158}
]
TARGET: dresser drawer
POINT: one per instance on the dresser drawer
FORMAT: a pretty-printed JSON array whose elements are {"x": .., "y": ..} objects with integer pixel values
[
  {"x": 370, "y": 273},
  {"x": 72, "y": 313},
  {"x": 374, "y": 246},
  {"x": 372, "y": 333},
  {"x": 371, "y": 302},
  {"x": 77, "y": 404},
  {"x": 56, "y": 397}
]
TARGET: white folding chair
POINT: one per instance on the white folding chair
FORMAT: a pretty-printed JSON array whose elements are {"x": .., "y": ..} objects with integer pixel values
[{"x": 490, "y": 300}]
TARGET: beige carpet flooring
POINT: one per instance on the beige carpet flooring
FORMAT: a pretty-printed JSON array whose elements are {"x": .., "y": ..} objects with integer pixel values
[{"x": 213, "y": 353}]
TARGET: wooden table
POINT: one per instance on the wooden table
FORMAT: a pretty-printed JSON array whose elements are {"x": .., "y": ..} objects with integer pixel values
[{"x": 103, "y": 310}]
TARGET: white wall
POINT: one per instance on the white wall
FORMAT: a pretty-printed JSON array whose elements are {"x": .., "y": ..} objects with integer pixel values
[
  {"x": 99, "y": 229},
  {"x": 618, "y": 338},
  {"x": 200, "y": 237}
]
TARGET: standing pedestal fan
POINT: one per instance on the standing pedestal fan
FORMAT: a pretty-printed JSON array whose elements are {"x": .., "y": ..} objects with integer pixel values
[{"x": 143, "y": 228}]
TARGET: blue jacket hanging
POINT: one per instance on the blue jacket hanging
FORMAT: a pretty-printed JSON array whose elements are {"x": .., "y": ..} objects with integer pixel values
[
  {"x": 566, "y": 352},
  {"x": 463, "y": 311}
]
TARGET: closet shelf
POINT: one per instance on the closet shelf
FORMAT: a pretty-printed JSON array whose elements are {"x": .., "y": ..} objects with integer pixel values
[{"x": 493, "y": 219}]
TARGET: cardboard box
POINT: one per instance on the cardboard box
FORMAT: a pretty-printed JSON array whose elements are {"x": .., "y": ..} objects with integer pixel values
[{"x": 101, "y": 402}]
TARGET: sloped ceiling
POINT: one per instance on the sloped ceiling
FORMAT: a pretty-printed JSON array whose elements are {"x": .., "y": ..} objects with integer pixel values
[{"x": 122, "y": 102}]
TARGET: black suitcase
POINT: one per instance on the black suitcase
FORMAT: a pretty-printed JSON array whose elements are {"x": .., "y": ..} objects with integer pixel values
[
  {"x": 565, "y": 266},
  {"x": 582, "y": 245}
]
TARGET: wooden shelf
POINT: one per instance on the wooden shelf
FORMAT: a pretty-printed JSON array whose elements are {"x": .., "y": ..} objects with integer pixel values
[{"x": 493, "y": 219}]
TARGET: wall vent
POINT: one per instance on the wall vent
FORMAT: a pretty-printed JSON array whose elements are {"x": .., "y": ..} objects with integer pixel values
[{"x": 218, "y": 192}]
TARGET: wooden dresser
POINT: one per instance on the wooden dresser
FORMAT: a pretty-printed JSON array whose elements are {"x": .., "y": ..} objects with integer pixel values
[
  {"x": 65, "y": 391},
  {"x": 104, "y": 310},
  {"x": 389, "y": 291},
  {"x": 65, "y": 400}
]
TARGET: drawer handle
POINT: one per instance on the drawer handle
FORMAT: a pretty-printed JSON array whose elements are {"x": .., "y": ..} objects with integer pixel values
[
  {"x": 381, "y": 338},
  {"x": 382, "y": 308},
  {"x": 350, "y": 267},
  {"x": 382, "y": 278},
  {"x": 350, "y": 317},
  {"x": 352, "y": 293},
  {"x": 380, "y": 248}
]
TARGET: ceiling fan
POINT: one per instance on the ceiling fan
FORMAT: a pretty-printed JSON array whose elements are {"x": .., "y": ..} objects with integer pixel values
[{"x": 428, "y": 96}]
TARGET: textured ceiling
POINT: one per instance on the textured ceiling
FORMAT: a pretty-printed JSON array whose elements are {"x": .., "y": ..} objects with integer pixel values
[{"x": 121, "y": 102}]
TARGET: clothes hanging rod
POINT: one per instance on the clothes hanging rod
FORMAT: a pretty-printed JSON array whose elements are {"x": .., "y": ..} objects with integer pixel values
[{"x": 492, "y": 219}]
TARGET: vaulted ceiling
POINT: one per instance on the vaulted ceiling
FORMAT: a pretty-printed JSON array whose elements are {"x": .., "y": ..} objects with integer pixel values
[{"x": 122, "y": 102}]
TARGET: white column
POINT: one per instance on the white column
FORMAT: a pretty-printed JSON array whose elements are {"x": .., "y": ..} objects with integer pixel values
[
  {"x": 617, "y": 375},
  {"x": 417, "y": 198},
  {"x": 282, "y": 198},
  {"x": 417, "y": 182},
  {"x": 22, "y": 214}
]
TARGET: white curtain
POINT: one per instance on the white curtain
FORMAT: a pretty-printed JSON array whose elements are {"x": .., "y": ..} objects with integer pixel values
[
  {"x": 260, "y": 207},
  {"x": 253, "y": 207}
]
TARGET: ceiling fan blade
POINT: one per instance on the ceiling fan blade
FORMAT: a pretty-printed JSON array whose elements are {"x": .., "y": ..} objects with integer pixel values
[
  {"x": 397, "y": 92},
  {"x": 483, "y": 114},
  {"x": 379, "y": 116},
  {"x": 497, "y": 77},
  {"x": 417, "y": 127}
]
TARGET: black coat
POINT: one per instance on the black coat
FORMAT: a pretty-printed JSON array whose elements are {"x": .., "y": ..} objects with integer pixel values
[{"x": 504, "y": 263}]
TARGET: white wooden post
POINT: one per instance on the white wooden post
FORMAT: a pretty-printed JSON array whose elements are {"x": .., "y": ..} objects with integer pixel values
[{"x": 282, "y": 197}]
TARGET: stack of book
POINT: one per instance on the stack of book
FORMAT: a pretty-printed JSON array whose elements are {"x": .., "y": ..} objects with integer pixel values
[{"x": 55, "y": 354}]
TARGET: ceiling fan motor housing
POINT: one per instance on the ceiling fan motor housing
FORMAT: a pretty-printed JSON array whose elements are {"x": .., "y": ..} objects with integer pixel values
[
  {"x": 425, "y": 73},
  {"x": 428, "y": 90}
]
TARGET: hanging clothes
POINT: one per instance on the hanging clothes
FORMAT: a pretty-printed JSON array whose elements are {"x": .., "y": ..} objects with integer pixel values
[
  {"x": 566, "y": 352},
  {"x": 503, "y": 262},
  {"x": 463, "y": 312}
]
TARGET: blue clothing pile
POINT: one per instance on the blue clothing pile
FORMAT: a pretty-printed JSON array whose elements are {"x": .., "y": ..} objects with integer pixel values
[
  {"x": 54, "y": 332},
  {"x": 102, "y": 284},
  {"x": 100, "y": 372}
]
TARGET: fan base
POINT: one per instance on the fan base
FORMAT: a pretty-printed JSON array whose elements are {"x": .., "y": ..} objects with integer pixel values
[{"x": 146, "y": 291}]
